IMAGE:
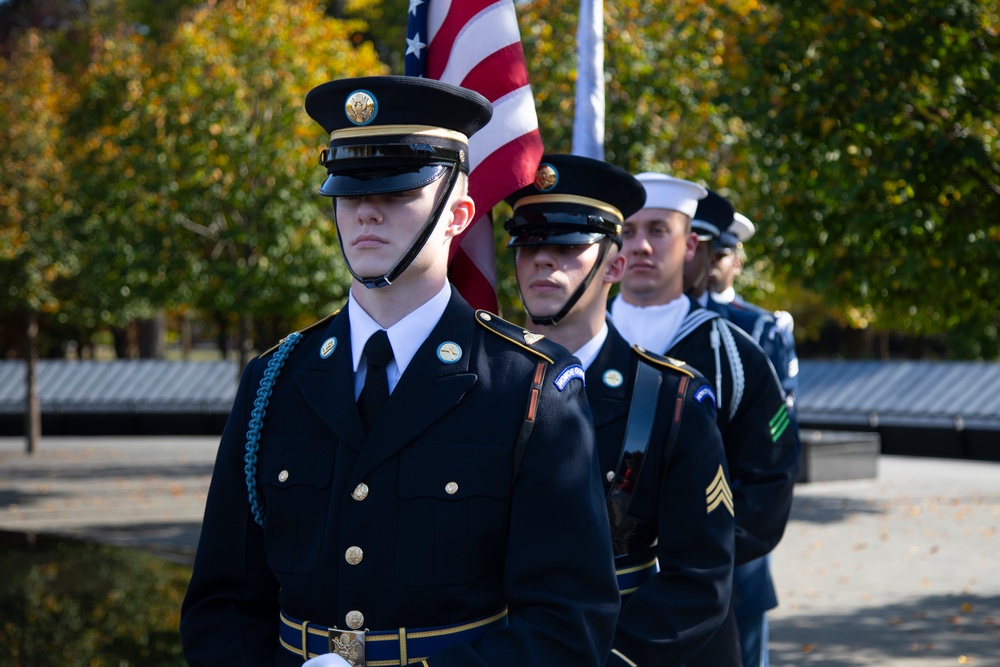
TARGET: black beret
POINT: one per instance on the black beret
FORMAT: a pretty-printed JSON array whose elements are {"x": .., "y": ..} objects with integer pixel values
[
  {"x": 393, "y": 133},
  {"x": 714, "y": 214},
  {"x": 573, "y": 200}
]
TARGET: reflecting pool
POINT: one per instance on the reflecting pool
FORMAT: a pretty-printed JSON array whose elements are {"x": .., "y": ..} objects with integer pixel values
[{"x": 68, "y": 602}]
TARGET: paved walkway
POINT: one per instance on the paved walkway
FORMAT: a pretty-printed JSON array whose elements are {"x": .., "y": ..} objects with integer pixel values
[
  {"x": 128, "y": 491},
  {"x": 898, "y": 571}
]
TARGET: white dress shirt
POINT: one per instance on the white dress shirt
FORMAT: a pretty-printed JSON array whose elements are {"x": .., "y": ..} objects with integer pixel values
[
  {"x": 725, "y": 296},
  {"x": 588, "y": 352},
  {"x": 406, "y": 336}
]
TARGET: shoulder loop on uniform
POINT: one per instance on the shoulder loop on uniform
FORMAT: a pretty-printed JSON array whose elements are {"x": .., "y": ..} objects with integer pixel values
[
  {"x": 301, "y": 332},
  {"x": 535, "y": 343},
  {"x": 661, "y": 361}
]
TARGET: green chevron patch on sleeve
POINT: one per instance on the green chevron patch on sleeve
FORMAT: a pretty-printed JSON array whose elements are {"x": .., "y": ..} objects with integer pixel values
[{"x": 779, "y": 423}]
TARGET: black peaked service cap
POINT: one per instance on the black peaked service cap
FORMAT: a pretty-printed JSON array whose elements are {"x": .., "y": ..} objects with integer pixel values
[
  {"x": 393, "y": 133},
  {"x": 713, "y": 215},
  {"x": 573, "y": 200}
]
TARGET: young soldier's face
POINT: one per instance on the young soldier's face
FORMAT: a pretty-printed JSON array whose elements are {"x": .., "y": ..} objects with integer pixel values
[
  {"x": 656, "y": 243},
  {"x": 696, "y": 269},
  {"x": 548, "y": 275},
  {"x": 377, "y": 229},
  {"x": 725, "y": 267}
]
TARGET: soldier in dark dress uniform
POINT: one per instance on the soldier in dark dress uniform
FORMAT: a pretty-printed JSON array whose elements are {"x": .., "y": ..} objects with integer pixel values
[
  {"x": 652, "y": 311},
  {"x": 664, "y": 468},
  {"x": 772, "y": 330},
  {"x": 407, "y": 481}
]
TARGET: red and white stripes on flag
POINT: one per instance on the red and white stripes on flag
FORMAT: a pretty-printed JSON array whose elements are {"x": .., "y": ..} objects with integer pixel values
[{"x": 476, "y": 44}]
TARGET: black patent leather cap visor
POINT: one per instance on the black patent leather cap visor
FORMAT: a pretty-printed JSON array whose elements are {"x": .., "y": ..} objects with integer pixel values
[
  {"x": 382, "y": 180},
  {"x": 536, "y": 237}
]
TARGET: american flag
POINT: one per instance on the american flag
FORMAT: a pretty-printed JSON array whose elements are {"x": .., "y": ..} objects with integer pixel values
[{"x": 476, "y": 44}]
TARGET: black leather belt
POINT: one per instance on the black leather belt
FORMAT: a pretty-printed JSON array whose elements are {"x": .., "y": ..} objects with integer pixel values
[{"x": 366, "y": 648}]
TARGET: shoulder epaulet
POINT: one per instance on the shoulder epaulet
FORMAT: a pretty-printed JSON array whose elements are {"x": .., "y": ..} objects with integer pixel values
[
  {"x": 661, "y": 361},
  {"x": 301, "y": 331},
  {"x": 533, "y": 342}
]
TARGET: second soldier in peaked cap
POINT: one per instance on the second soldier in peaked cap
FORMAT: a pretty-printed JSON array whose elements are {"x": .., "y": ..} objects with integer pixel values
[
  {"x": 406, "y": 481},
  {"x": 662, "y": 463},
  {"x": 713, "y": 215}
]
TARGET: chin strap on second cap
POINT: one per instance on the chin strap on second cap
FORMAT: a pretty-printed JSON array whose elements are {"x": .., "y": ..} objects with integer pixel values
[{"x": 568, "y": 306}]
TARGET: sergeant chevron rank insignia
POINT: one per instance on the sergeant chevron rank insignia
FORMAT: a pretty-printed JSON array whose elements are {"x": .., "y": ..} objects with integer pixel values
[{"x": 718, "y": 493}]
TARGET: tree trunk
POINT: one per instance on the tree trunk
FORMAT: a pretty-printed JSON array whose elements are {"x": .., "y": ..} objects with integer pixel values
[
  {"x": 186, "y": 343},
  {"x": 153, "y": 337},
  {"x": 222, "y": 339},
  {"x": 244, "y": 343},
  {"x": 32, "y": 405}
]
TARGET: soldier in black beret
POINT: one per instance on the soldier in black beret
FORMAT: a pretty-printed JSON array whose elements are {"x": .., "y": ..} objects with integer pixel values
[
  {"x": 662, "y": 463},
  {"x": 407, "y": 481}
]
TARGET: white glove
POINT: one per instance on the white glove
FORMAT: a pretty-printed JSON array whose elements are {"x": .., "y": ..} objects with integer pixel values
[{"x": 326, "y": 660}]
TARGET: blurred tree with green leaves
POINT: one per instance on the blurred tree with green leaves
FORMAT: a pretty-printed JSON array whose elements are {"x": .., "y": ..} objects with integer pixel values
[
  {"x": 80, "y": 604},
  {"x": 875, "y": 136},
  {"x": 37, "y": 247},
  {"x": 238, "y": 156}
]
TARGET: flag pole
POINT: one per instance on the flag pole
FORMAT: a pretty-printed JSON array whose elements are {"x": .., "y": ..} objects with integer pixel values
[{"x": 588, "y": 121}]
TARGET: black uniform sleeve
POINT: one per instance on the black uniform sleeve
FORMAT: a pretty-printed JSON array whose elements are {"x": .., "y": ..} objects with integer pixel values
[
  {"x": 764, "y": 458},
  {"x": 228, "y": 616}
]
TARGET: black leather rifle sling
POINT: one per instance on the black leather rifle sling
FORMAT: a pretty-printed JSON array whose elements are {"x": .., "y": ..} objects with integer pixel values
[{"x": 638, "y": 432}]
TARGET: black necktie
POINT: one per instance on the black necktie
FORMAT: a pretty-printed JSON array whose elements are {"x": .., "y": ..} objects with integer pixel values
[{"x": 378, "y": 353}]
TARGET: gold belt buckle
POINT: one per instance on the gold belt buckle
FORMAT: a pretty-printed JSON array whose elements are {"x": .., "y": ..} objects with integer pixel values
[{"x": 348, "y": 644}]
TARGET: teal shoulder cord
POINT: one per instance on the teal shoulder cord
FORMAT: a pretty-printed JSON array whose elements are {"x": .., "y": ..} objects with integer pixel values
[{"x": 257, "y": 421}]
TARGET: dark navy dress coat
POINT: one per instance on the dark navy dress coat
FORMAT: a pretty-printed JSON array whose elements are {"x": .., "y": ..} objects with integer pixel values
[
  {"x": 673, "y": 614},
  {"x": 762, "y": 447},
  {"x": 761, "y": 441},
  {"x": 448, "y": 531},
  {"x": 752, "y": 582}
]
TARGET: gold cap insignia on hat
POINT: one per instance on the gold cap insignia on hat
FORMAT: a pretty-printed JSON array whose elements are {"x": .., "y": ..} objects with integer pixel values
[
  {"x": 546, "y": 177},
  {"x": 361, "y": 107}
]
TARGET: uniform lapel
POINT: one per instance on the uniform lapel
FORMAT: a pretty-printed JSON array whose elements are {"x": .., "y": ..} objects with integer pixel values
[
  {"x": 427, "y": 390},
  {"x": 611, "y": 367},
  {"x": 327, "y": 384}
]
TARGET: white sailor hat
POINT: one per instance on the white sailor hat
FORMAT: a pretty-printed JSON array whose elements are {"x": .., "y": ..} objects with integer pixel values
[
  {"x": 674, "y": 194},
  {"x": 742, "y": 227}
]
